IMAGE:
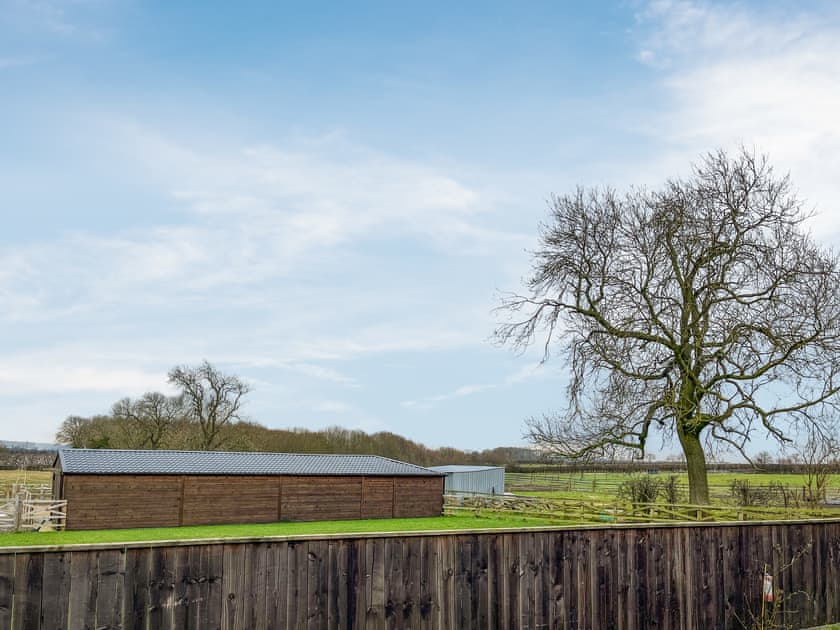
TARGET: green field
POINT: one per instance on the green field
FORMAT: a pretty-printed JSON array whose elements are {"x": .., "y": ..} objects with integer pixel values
[
  {"x": 604, "y": 486},
  {"x": 10, "y": 477},
  {"x": 440, "y": 523}
]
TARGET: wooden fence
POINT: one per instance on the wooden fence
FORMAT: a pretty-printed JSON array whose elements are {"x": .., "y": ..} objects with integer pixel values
[
  {"x": 655, "y": 576},
  {"x": 580, "y": 511}
]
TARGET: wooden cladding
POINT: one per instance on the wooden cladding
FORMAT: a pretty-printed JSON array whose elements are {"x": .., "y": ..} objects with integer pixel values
[
  {"x": 118, "y": 501},
  {"x": 670, "y": 578}
]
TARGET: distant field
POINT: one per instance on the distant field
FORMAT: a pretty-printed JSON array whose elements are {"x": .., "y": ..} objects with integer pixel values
[
  {"x": 603, "y": 486},
  {"x": 10, "y": 477},
  {"x": 270, "y": 529}
]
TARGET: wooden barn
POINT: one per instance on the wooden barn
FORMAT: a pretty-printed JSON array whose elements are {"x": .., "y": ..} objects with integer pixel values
[{"x": 130, "y": 488}]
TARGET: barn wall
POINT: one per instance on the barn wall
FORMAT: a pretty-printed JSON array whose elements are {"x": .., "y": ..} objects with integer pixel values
[
  {"x": 418, "y": 496},
  {"x": 378, "y": 497},
  {"x": 321, "y": 498},
  {"x": 119, "y": 501},
  {"x": 214, "y": 500}
]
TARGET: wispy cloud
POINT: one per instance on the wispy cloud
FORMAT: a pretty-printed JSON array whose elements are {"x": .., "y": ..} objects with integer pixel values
[
  {"x": 762, "y": 77},
  {"x": 71, "y": 371},
  {"x": 252, "y": 216},
  {"x": 525, "y": 373}
]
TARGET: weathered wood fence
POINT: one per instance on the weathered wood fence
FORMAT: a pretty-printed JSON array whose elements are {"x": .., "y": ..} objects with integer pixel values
[{"x": 656, "y": 576}]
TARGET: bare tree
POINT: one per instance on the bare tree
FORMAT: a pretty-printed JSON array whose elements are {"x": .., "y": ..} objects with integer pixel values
[
  {"x": 74, "y": 431},
  {"x": 704, "y": 309},
  {"x": 150, "y": 418},
  {"x": 211, "y": 398}
]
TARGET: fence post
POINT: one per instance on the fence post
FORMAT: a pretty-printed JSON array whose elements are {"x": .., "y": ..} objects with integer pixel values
[{"x": 18, "y": 506}]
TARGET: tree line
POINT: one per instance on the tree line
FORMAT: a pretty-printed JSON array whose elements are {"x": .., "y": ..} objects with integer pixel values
[{"x": 205, "y": 415}]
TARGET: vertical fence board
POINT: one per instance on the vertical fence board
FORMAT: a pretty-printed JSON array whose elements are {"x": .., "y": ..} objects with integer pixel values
[
  {"x": 7, "y": 589},
  {"x": 55, "y": 590},
  {"x": 109, "y": 601},
  {"x": 27, "y": 588},
  {"x": 82, "y": 597},
  {"x": 412, "y": 577}
]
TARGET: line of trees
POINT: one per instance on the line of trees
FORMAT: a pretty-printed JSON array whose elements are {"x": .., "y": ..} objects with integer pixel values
[{"x": 205, "y": 415}]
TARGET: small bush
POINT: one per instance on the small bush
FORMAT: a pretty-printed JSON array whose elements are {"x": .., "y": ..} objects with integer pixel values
[
  {"x": 671, "y": 491},
  {"x": 640, "y": 489},
  {"x": 746, "y": 495}
]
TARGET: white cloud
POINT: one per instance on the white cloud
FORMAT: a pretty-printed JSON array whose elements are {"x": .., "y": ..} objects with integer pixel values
[
  {"x": 249, "y": 216},
  {"x": 756, "y": 77},
  {"x": 72, "y": 370}
]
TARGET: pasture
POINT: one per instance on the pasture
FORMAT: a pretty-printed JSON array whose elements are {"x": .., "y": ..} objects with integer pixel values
[
  {"x": 9, "y": 478},
  {"x": 603, "y": 486}
]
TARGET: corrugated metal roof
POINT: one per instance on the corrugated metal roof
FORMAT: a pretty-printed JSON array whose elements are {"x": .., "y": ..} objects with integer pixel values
[
  {"x": 132, "y": 462},
  {"x": 454, "y": 469}
]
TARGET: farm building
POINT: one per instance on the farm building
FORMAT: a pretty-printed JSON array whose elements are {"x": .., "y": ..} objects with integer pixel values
[
  {"x": 128, "y": 488},
  {"x": 474, "y": 479}
]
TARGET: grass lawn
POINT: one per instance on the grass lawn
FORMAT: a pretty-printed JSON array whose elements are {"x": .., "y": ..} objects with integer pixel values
[{"x": 268, "y": 529}]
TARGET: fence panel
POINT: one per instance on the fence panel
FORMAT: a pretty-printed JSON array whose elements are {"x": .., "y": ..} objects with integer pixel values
[{"x": 689, "y": 577}]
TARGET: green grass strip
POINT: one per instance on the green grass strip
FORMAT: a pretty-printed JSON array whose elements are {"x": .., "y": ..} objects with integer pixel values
[{"x": 395, "y": 525}]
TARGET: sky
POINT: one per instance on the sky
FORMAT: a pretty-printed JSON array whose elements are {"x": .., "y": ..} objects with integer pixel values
[{"x": 328, "y": 199}]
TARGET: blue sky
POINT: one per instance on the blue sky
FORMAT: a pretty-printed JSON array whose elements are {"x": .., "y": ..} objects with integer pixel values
[{"x": 327, "y": 200}]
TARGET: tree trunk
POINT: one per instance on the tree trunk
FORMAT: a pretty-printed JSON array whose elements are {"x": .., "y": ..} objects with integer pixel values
[{"x": 695, "y": 459}]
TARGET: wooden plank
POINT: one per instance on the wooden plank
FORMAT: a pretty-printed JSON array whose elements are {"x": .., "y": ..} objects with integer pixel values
[
  {"x": 394, "y": 584},
  {"x": 375, "y": 612},
  {"x": 215, "y": 590},
  {"x": 355, "y": 599},
  {"x": 178, "y": 561},
  {"x": 412, "y": 580},
  {"x": 481, "y": 582},
  {"x": 28, "y": 576},
  {"x": 528, "y": 575},
  {"x": 361, "y": 583},
  {"x": 82, "y": 597},
  {"x": 55, "y": 591},
  {"x": 542, "y": 552},
  {"x": 261, "y": 585},
  {"x": 109, "y": 588},
  {"x": 512, "y": 569},
  {"x": 193, "y": 577},
  {"x": 159, "y": 611},
  {"x": 135, "y": 589},
  {"x": 272, "y": 593},
  {"x": 7, "y": 589},
  {"x": 247, "y": 587},
  {"x": 318, "y": 585}
]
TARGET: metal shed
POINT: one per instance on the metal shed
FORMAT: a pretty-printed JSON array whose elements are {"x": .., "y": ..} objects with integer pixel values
[
  {"x": 473, "y": 479},
  {"x": 129, "y": 488}
]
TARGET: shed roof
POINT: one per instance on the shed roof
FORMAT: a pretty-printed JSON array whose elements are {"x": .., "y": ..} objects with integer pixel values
[
  {"x": 136, "y": 462},
  {"x": 464, "y": 469}
]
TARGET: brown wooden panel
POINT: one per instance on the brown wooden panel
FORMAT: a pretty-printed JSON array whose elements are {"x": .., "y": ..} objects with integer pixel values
[
  {"x": 118, "y": 501},
  {"x": 418, "y": 496},
  {"x": 212, "y": 500},
  {"x": 321, "y": 498},
  {"x": 378, "y": 497}
]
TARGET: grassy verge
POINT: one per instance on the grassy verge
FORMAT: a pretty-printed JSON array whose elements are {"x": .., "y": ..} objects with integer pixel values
[{"x": 269, "y": 529}]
